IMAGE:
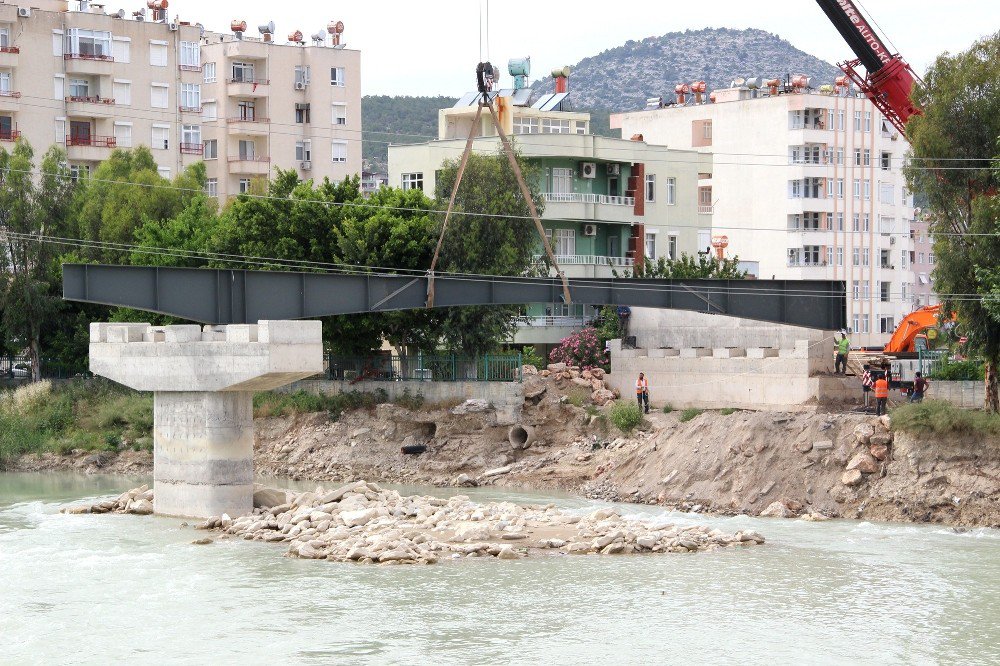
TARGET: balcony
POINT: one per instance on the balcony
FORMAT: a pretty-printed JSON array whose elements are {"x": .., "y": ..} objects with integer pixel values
[
  {"x": 192, "y": 149},
  {"x": 706, "y": 209},
  {"x": 595, "y": 207},
  {"x": 588, "y": 260},
  {"x": 190, "y": 109},
  {"x": 9, "y": 56},
  {"x": 248, "y": 87},
  {"x": 802, "y": 263},
  {"x": 257, "y": 126},
  {"x": 190, "y": 68},
  {"x": 253, "y": 166},
  {"x": 546, "y": 330},
  {"x": 9, "y": 100},
  {"x": 86, "y": 63},
  {"x": 574, "y": 197},
  {"x": 549, "y": 322},
  {"x": 90, "y": 106},
  {"x": 90, "y": 148},
  {"x": 10, "y": 135}
]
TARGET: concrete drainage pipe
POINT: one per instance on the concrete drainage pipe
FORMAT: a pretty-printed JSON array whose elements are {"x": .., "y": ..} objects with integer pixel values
[{"x": 521, "y": 436}]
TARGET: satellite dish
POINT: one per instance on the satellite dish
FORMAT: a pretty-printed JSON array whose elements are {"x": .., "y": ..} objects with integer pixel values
[
  {"x": 319, "y": 37},
  {"x": 266, "y": 29},
  {"x": 119, "y": 14}
]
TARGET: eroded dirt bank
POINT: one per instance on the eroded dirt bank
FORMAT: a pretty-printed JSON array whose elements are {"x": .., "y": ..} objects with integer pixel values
[{"x": 759, "y": 463}]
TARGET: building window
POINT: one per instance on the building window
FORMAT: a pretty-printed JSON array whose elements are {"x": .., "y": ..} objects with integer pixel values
[
  {"x": 209, "y": 111},
  {"x": 244, "y": 185},
  {"x": 868, "y": 157},
  {"x": 191, "y": 137},
  {"x": 337, "y": 77},
  {"x": 857, "y": 121},
  {"x": 650, "y": 247},
  {"x": 122, "y": 92},
  {"x": 191, "y": 96},
  {"x": 868, "y": 190},
  {"x": 301, "y": 76},
  {"x": 866, "y": 259},
  {"x": 829, "y": 256},
  {"x": 248, "y": 149},
  {"x": 60, "y": 127},
  {"x": 88, "y": 43},
  {"x": 840, "y": 221},
  {"x": 706, "y": 130},
  {"x": 562, "y": 181},
  {"x": 211, "y": 149},
  {"x": 339, "y": 151},
  {"x": 904, "y": 260},
  {"x": 413, "y": 181},
  {"x": 159, "y": 96},
  {"x": 887, "y": 324},
  {"x": 5, "y": 36},
  {"x": 884, "y": 291},
  {"x": 190, "y": 55},
  {"x": 920, "y": 257},
  {"x": 857, "y": 189},
  {"x": 930, "y": 258},
  {"x": 840, "y": 256},
  {"x": 672, "y": 247},
  {"x": 158, "y": 54},
  {"x": 243, "y": 72},
  {"x": 123, "y": 135},
  {"x": 339, "y": 114},
  {"x": 554, "y": 126},
  {"x": 303, "y": 151},
  {"x": 856, "y": 257},
  {"x": 887, "y": 193},
  {"x": 857, "y": 289},
  {"x": 121, "y": 50},
  {"x": 868, "y": 121},
  {"x": 247, "y": 110},
  {"x": 79, "y": 88},
  {"x": 650, "y": 188},
  {"x": 209, "y": 72},
  {"x": 857, "y": 324},
  {"x": 581, "y": 127},
  {"x": 840, "y": 189},
  {"x": 671, "y": 191},
  {"x": 857, "y": 157},
  {"x": 161, "y": 137},
  {"x": 565, "y": 242},
  {"x": 865, "y": 324},
  {"x": 303, "y": 114},
  {"x": 867, "y": 222},
  {"x": 865, "y": 290},
  {"x": 523, "y": 125},
  {"x": 212, "y": 187},
  {"x": 79, "y": 171},
  {"x": 164, "y": 172},
  {"x": 886, "y": 161}
]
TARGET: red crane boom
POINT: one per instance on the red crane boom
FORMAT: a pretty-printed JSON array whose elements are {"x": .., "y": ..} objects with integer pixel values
[{"x": 889, "y": 80}]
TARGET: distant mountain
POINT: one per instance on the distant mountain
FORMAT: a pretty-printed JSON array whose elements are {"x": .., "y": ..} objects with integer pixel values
[
  {"x": 623, "y": 78},
  {"x": 619, "y": 79}
]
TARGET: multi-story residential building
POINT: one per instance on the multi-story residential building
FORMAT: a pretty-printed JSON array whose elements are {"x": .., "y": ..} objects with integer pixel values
[
  {"x": 922, "y": 261},
  {"x": 608, "y": 202},
  {"x": 807, "y": 183},
  {"x": 92, "y": 82}
]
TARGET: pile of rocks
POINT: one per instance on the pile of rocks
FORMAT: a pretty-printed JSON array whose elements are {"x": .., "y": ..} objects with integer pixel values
[
  {"x": 138, "y": 501},
  {"x": 875, "y": 442},
  {"x": 591, "y": 379},
  {"x": 362, "y": 522}
]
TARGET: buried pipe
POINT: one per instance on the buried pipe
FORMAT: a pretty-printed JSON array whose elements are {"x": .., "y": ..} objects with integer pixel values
[{"x": 521, "y": 436}]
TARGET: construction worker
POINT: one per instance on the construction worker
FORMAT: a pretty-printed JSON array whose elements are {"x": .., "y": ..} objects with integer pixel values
[
  {"x": 867, "y": 384},
  {"x": 881, "y": 395},
  {"x": 920, "y": 386},
  {"x": 642, "y": 392},
  {"x": 843, "y": 349}
]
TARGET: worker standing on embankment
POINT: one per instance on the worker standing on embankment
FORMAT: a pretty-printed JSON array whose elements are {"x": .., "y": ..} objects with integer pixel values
[
  {"x": 881, "y": 395},
  {"x": 843, "y": 349}
]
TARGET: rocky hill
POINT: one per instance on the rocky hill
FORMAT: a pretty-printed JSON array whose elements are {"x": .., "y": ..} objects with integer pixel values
[{"x": 623, "y": 78}]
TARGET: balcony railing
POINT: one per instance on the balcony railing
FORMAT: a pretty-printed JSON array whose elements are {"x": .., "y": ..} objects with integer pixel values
[
  {"x": 189, "y": 68},
  {"x": 87, "y": 56},
  {"x": 10, "y": 135},
  {"x": 801, "y": 263},
  {"x": 255, "y": 82},
  {"x": 10, "y": 93},
  {"x": 10, "y": 49},
  {"x": 576, "y": 197},
  {"x": 190, "y": 109},
  {"x": 251, "y": 158},
  {"x": 92, "y": 140},
  {"x": 96, "y": 99},
  {"x": 255, "y": 119},
  {"x": 589, "y": 260},
  {"x": 552, "y": 322},
  {"x": 192, "y": 148},
  {"x": 706, "y": 210}
]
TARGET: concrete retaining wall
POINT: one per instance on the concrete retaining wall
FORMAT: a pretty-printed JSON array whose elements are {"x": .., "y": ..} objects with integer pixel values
[
  {"x": 968, "y": 395},
  {"x": 656, "y": 329}
]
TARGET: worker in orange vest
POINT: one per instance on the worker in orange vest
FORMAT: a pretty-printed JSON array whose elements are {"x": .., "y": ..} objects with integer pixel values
[
  {"x": 881, "y": 395},
  {"x": 642, "y": 392}
]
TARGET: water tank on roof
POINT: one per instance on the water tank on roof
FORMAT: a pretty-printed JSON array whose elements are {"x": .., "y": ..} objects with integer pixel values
[{"x": 519, "y": 66}]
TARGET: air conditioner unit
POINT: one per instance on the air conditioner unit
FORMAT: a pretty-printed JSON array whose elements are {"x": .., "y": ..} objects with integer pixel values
[
  {"x": 614, "y": 169},
  {"x": 590, "y": 230},
  {"x": 299, "y": 85},
  {"x": 24, "y": 12},
  {"x": 892, "y": 240},
  {"x": 174, "y": 27},
  {"x": 306, "y": 165},
  {"x": 588, "y": 170}
]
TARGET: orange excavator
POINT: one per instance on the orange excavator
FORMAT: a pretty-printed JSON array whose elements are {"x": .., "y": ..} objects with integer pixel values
[{"x": 914, "y": 333}]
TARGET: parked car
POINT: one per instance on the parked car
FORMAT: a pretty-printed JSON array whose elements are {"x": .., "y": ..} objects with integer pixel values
[{"x": 20, "y": 370}]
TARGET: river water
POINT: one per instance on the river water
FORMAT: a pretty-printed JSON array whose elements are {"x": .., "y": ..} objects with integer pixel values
[{"x": 103, "y": 589}]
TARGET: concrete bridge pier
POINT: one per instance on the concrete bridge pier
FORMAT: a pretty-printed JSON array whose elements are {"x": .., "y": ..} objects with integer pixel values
[{"x": 203, "y": 380}]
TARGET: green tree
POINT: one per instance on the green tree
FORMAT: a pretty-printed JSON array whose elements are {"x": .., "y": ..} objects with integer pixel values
[
  {"x": 497, "y": 237},
  {"x": 687, "y": 267},
  {"x": 30, "y": 208},
  {"x": 954, "y": 151}
]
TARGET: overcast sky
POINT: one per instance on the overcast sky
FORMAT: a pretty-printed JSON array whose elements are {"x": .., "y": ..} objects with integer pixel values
[{"x": 431, "y": 47}]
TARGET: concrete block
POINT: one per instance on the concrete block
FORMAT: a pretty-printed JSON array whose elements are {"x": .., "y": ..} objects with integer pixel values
[
  {"x": 290, "y": 332},
  {"x": 762, "y": 352},
  {"x": 729, "y": 352},
  {"x": 154, "y": 335},
  {"x": 213, "y": 334},
  {"x": 182, "y": 333},
  {"x": 793, "y": 353},
  {"x": 242, "y": 333},
  {"x": 125, "y": 333},
  {"x": 656, "y": 353},
  {"x": 695, "y": 352},
  {"x": 614, "y": 346}
]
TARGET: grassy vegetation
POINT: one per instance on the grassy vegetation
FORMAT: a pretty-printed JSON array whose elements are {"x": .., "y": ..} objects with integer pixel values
[
  {"x": 626, "y": 416},
  {"x": 728, "y": 411},
  {"x": 667, "y": 409},
  {"x": 92, "y": 416},
  {"x": 942, "y": 418},
  {"x": 578, "y": 397},
  {"x": 689, "y": 414},
  {"x": 267, "y": 405}
]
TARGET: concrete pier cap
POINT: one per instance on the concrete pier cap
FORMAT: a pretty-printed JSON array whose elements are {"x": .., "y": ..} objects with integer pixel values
[{"x": 203, "y": 379}]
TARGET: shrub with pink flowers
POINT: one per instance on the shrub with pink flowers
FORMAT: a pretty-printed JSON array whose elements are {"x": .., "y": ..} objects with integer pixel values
[{"x": 581, "y": 349}]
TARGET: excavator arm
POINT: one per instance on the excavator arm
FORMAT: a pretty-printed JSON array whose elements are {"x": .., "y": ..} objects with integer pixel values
[{"x": 913, "y": 324}]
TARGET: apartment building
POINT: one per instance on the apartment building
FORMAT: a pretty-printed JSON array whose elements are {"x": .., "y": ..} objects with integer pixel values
[
  {"x": 809, "y": 184},
  {"x": 923, "y": 262},
  {"x": 92, "y": 82},
  {"x": 608, "y": 202}
]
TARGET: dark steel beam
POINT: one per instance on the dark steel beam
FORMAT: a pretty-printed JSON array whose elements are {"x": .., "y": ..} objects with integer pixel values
[{"x": 220, "y": 296}]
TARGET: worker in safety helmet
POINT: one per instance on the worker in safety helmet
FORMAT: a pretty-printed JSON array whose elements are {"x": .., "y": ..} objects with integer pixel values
[
  {"x": 642, "y": 392},
  {"x": 843, "y": 349}
]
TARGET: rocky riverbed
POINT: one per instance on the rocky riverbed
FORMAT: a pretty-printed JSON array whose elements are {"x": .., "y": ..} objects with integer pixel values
[{"x": 362, "y": 522}]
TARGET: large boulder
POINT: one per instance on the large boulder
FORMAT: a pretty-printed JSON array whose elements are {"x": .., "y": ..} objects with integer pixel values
[
  {"x": 776, "y": 510},
  {"x": 880, "y": 452},
  {"x": 852, "y": 478},
  {"x": 864, "y": 432},
  {"x": 864, "y": 463},
  {"x": 881, "y": 439},
  {"x": 602, "y": 397},
  {"x": 268, "y": 498},
  {"x": 556, "y": 367}
]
